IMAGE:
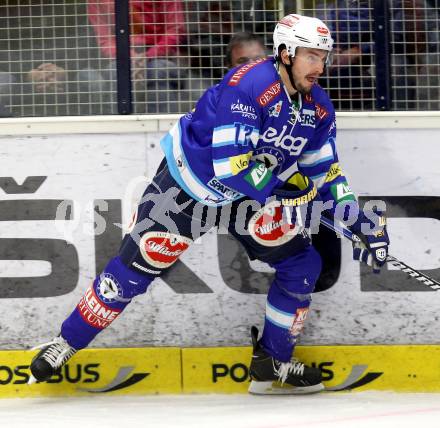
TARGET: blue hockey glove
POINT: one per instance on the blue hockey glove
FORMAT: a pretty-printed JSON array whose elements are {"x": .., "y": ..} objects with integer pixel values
[
  {"x": 372, "y": 245},
  {"x": 296, "y": 198}
]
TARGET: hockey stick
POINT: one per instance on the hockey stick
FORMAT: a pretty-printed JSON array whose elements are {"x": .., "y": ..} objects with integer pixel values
[{"x": 413, "y": 273}]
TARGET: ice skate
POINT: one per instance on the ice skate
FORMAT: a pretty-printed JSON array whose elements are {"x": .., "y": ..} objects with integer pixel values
[
  {"x": 52, "y": 356},
  {"x": 272, "y": 377}
]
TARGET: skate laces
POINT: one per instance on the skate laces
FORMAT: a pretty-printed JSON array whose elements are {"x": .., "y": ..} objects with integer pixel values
[
  {"x": 294, "y": 367},
  {"x": 58, "y": 351}
]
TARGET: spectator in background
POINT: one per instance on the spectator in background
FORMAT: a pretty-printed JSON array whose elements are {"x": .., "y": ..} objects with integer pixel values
[
  {"x": 416, "y": 58},
  {"x": 43, "y": 50},
  {"x": 351, "y": 77},
  {"x": 48, "y": 78},
  {"x": 156, "y": 30},
  {"x": 210, "y": 26},
  {"x": 214, "y": 25},
  {"x": 243, "y": 47}
]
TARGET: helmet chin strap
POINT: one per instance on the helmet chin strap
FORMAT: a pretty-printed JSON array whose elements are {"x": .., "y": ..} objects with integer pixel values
[{"x": 289, "y": 72}]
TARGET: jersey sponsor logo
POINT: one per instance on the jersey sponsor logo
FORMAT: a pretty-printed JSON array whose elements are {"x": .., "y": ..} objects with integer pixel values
[
  {"x": 334, "y": 172},
  {"x": 268, "y": 228},
  {"x": 293, "y": 145},
  {"x": 298, "y": 321},
  {"x": 226, "y": 191},
  {"x": 241, "y": 72},
  {"x": 289, "y": 20},
  {"x": 108, "y": 289},
  {"x": 259, "y": 176},
  {"x": 269, "y": 93},
  {"x": 275, "y": 110},
  {"x": 308, "y": 99},
  {"x": 308, "y": 118},
  {"x": 243, "y": 109},
  {"x": 94, "y": 311},
  {"x": 271, "y": 157},
  {"x": 161, "y": 249},
  {"x": 239, "y": 163},
  {"x": 342, "y": 192},
  {"x": 321, "y": 112}
]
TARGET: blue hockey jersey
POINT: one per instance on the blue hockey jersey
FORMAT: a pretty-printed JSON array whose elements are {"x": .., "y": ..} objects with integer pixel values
[{"x": 247, "y": 137}]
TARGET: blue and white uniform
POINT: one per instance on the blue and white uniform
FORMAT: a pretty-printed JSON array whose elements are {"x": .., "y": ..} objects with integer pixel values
[{"x": 246, "y": 137}]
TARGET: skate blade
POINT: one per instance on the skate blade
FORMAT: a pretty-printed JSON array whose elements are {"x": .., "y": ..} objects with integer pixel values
[
  {"x": 276, "y": 388},
  {"x": 31, "y": 380}
]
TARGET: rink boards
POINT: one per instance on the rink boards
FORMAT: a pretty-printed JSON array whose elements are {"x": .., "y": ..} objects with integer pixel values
[
  {"x": 65, "y": 199},
  {"x": 220, "y": 370}
]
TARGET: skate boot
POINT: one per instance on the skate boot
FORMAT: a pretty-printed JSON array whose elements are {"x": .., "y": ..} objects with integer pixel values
[
  {"x": 52, "y": 356},
  {"x": 272, "y": 377}
]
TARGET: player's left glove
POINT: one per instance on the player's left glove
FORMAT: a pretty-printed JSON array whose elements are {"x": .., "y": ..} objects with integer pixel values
[
  {"x": 296, "y": 198},
  {"x": 373, "y": 241}
]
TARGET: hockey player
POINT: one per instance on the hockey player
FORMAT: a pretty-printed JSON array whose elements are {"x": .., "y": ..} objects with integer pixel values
[{"x": 255, "y": 155}]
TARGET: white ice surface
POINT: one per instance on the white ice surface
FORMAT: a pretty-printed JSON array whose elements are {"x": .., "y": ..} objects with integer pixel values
[{"x": 341, "y": 410}]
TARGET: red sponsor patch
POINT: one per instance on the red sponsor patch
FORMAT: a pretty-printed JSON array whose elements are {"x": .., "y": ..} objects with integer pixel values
[
  {"x": 162, "y": 249},
  {"x": 308, "y": 99},
  {"x": 238, "y": 75},
  {"x": 289, "y": 20},
  {"x": 269, "y": 93},
  {"x": 94, "y": 311},
  {"x": 268, "y": 228},
  {"x": 298, "y": 321},
  {"x": 321, "y": 112},
  {"x": 322, "y": 30}
]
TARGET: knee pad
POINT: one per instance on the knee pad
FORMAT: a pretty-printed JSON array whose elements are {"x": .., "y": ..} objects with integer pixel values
[
  {"x": 119, "y": 283},
  {"x": 298, "y": 274},
  {"x": 154, "y": 252}
]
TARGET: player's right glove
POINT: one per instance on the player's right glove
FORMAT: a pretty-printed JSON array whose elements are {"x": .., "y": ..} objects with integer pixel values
[
  {"x": 372, "y": 244},
  {"x": 296, "y": 198}
]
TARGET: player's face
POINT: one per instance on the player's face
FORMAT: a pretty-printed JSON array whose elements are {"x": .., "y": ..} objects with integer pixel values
[
  {"x": 308, "y": 65},
  {"x": 247, "y": 52}
]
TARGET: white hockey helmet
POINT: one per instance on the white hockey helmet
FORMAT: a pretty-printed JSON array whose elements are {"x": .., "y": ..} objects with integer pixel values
[{"x": 302, "y": 31}]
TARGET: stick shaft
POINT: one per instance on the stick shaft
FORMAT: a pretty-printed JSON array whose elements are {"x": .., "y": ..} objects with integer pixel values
[{"x": 413, "y": 273}]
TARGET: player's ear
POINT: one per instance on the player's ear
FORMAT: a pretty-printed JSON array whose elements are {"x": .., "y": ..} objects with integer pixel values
[{"x": 285, "y": 57}]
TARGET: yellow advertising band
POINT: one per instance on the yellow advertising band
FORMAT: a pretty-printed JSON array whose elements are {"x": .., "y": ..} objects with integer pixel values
[{"x": 219, "y": 370}]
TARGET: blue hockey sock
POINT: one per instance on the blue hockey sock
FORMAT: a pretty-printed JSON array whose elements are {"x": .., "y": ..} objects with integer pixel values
[
  {"x": 102, "y": 302},
  {"x": 288, "y": 302}
]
